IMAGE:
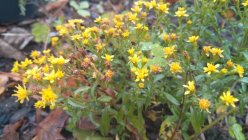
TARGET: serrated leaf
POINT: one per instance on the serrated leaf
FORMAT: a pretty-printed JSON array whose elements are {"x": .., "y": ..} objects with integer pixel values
[
  {"x": 104, "y": 98},
  {"x": 41, "y": 31},
  {"x": 84, "y": 5},
  {"x": 172, "y": 99},
  {"x": 83, "y": 13}
]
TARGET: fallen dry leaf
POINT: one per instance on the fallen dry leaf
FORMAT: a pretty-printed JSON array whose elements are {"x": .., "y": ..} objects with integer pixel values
[
  {"x": 50, "y": 127},
  {"x": 86, "y": 124},
  {"x": 12, "y": 76},
  {"x": 172, "y": 1},
  {"x": 9, "y": 131},
  {"x": 3, "y": 81},
  {"x": 18, "y": 37},
  {"x": 9, "y": 52},
  {"x": 54, "y": 5}
]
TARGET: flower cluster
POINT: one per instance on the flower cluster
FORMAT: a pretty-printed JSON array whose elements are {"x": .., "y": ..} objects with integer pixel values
[
  {"x": 122, "y": 66},
  {"x": 43, "y": 69}
]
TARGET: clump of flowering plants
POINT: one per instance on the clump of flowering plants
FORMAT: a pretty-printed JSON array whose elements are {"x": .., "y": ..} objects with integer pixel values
[{"x": 186, "y": 67}]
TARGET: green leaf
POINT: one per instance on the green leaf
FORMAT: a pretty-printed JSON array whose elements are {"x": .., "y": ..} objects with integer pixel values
[
  {"x": 87, "y": 135},
  {"x": 76, "y": 104},
  {"x": 158, "y": 77},
  {"x": 41, "y": 32},
  {"x": 244, "y": 80},
  {"x": 105, "y": 122},
  {"x": 104, "y": 98},
  {"x": 245, "y": 53},
  {"x": 82, "y": 90},
  {"x": 83, "y": 13},
  {"x": 157, "y": 51},
  {"x": 235, "y": 131},
  {"x": 172, "y": 99},
  {"x": 74, "y": 5},
  {"x": 197, "y": 120},
  {"x": 84, "y": 5},
  {"x": 156, "y": 61}
]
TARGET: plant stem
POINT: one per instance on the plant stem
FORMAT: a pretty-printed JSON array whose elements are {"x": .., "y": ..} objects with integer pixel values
[
  {"x": 213, "y": 123},
  {"x": 181, "y": 112}
]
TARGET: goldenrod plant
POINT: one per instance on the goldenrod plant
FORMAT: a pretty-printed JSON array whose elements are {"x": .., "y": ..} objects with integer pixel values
[{"x": 191, "y": 59}]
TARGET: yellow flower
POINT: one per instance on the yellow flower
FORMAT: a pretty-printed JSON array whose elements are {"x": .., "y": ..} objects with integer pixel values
[
  {"x": 155, "y": 69},
  {"x": 136, "y": 9},
  {"x": 141, "y": 74},
  {"x": 45, "y": 68},
  {"x": 228, "y": 99},
  {"x": 181, "y": 12},
  {"x": 125, "y": 34},
  {"x": 132, "y": 17},
  {"x": 193, "y": 39},
  {"x": 59, "y": 74},
  {"x": 190, "y": 87},
  {"x": 34, "y": 73},
  {"x": 15, "y": 67},
  {"x": 206, "y": 50},
  {"x": 141, "y": 85},
  {"x": 175, "y": 67},
  {"x": 40, "y": 60},
  {"x": 168, "y": 51},
  {"x": 143, "y": 15},
  {"x": 189, "y": 22},
  {"x": 108, "y": 58},
  {"x": 245, "y": 3},
  {"x": 54, "y": 41},
  {"x": 230, "y": 64},
  {"x": 46, "y": 52},
  {"x": 240, "y": 70},
  {"x": 48, "y": 96},
  {"x": 224, "y": 70},
  {"x": 140, "y": 26},
  {"x": 21, "y": 93},
  {"x": 76, "y": 37},
  {"x": 131, "y": 51},
  {"x": 204, "y": 104},
  {"x": 134, "y": 59},
  {"x": 109, "y": 74},
  {"x": 99, "y": 46},
  {"x": 144, "y": 60},
  {"x": 35, "y": 54},
  {"x": 151, "y": 4},
  {"x": 211, "y": 68},
  {"x": 173, "y": 36},
  {"x": 163, "y": 8},
  {"x": 40, "y": 104},
  {"x": 98, "y": 20},
  {"x": 25, "y": 63},
  {"x": 166, "y": 37},
  {"x": 86, "y": 42},
  {"x": 51, "y": 77},
  {"x": 58, "y": 61},
  {"x": 217, "y": 52}
]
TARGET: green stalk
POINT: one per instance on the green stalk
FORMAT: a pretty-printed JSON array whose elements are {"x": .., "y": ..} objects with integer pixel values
[{"x": 213, "y": 123}]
